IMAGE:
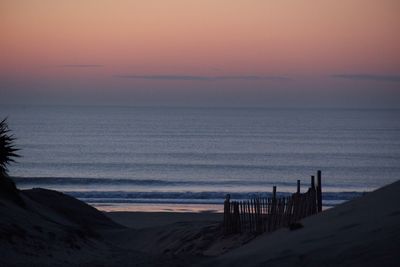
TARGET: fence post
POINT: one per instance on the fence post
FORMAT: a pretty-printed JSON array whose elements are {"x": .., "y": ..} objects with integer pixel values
[
  {"x": 242, "y": 221},
  {"x": 236, "y": 215},
  {"x": 227, "y": 214},
  {"x": 298, "y": 186},
  {"x": 289, "y": 213},
  {"x": 249, "y": 215},
  {"x": 264, "y": 213},
  {"x": 274, "y": 207},
  {"x": 303, "y": 204},
  {"x": 312, "y": 181},
  {"x": 257, "y": 213},
  {"x": 313, "y": 197},
  {"x": 319, "y": 191}
]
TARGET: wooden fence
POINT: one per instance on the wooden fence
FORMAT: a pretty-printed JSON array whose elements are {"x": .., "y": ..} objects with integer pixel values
[{"x": 266, "y": 214}]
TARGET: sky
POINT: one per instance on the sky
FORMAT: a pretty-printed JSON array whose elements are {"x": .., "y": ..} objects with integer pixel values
[{"x": 210, "y": 49}]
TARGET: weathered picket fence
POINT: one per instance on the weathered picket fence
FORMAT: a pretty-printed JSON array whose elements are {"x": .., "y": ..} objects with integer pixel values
[{"x": 266, "y": 214}]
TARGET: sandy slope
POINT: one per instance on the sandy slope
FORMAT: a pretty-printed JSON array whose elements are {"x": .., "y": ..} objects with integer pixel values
[
  {"x": 173, "y": 234},
  {"x": 363, "y": 232},
  {"x": 53, "y": 229}
]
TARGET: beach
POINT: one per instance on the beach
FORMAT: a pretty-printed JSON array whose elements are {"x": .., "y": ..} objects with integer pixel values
[
  {"x": 200, "y": 133},
  {"x": 53, "y": 229},
  {"x": 139, "y": 220}
]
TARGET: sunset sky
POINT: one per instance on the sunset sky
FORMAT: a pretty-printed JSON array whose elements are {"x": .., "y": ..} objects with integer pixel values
[{"x": 185, "y": 45}]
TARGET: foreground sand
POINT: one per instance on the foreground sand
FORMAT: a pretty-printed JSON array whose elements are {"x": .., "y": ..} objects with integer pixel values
[
  {"x": 140, "y": 220},
  {"x": 362, "y": 232},
  {"x": 52, "y": 229}
]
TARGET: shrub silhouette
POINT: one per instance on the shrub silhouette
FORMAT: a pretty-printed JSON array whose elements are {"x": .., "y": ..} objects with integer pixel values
[
  {"x": 8, "y": 153},
  {"x": 7, "y": 148}
]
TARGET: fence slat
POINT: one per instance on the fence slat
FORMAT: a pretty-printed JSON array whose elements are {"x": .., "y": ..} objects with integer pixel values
[
  {"x": 319, "y": 191},
  {"x": 265, "y": 214}
]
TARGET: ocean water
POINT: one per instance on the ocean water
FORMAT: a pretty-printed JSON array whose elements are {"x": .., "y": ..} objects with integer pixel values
[{"x": 125, "y": 158}]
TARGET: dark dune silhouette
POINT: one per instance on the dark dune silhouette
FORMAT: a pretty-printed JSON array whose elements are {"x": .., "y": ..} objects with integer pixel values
[{"x": 54, "y": 229}]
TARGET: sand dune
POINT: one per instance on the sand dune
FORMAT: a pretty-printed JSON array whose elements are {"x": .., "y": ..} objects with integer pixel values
[
  {"x": 52, "y": 229},
  {"x": 362, "y": 232}
]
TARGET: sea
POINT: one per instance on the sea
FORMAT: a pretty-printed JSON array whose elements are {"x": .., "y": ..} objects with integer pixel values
[{"x": 188, "y": 158}]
